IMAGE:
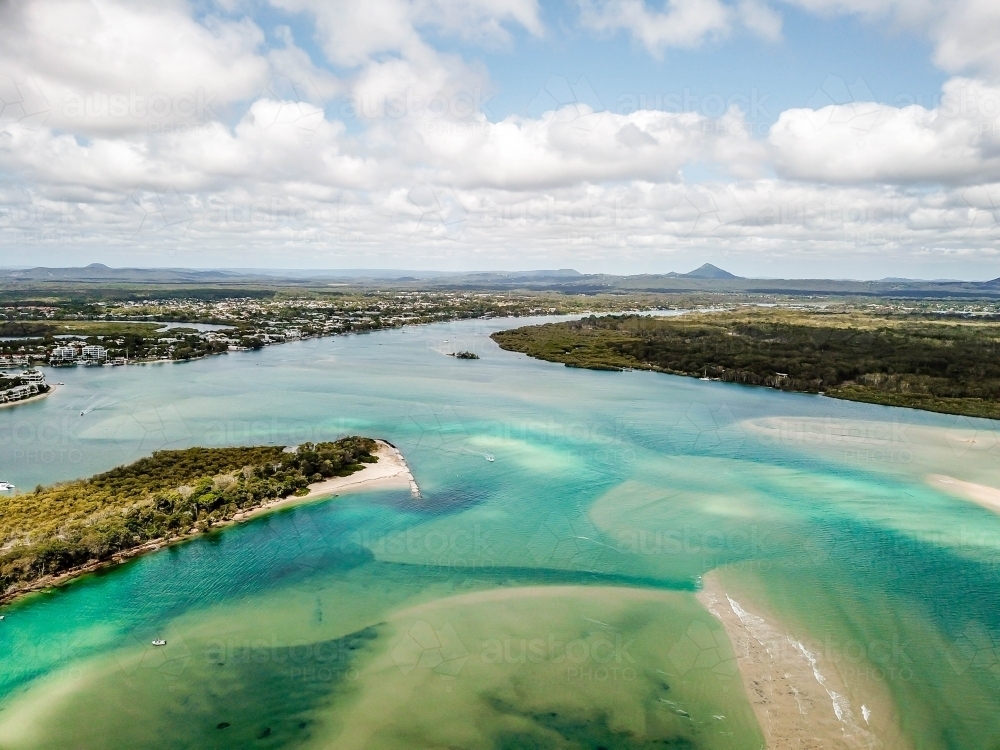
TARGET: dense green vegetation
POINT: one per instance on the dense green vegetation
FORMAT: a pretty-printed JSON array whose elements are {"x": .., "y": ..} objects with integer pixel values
[
  {"x": 950, "y": 366},
  {"x": 25, "y": 328},
  {"x": 76, "y": 327},
  {"x": 164, "y": 496}
]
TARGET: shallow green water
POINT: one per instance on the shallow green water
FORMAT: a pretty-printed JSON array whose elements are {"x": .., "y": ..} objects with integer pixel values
[{"x": 285, "y": 629}]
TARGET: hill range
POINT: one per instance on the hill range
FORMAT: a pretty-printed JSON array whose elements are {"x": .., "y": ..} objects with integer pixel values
[{"x": 707, "y": 278}]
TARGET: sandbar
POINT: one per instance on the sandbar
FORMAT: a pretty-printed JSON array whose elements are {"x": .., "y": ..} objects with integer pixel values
[
  {"x": 390, "y": 472},
  {"x": 798, "y": 695},
  {"x": 980, "y": 494}
]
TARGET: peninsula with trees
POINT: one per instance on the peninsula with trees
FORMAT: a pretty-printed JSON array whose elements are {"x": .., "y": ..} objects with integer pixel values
[{"x": 57, "y": 532}]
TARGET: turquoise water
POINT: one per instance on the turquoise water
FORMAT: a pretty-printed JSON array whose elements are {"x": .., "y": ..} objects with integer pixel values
[{"x": 299, "y": 628}]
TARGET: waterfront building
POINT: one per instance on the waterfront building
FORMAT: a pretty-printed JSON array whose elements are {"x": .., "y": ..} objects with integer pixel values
[
  {"x": 19, "y": 393},
  {"x": 63, "y": 355},
  {"x": 94, "y": 354}
]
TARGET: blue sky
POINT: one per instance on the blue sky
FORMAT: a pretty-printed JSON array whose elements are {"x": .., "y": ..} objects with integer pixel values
[
  {"x": 784, "y": 74},
  {"x": 863, "y": 140}
]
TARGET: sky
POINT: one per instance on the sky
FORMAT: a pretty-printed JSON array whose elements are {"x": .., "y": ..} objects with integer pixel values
[{"x": 773, "y": 138}]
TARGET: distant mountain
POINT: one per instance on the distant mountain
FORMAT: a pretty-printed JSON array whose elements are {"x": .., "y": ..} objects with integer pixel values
[
  {"x": 101, "y": 272},
  {"x": 707, "y": 278},
  {"x": 898, "y": 279},
  {"x": 391, "y": 274},
  {"x": 98, "y": 272},
  {"x": 560, "y": 273},
  {"x": 708, "y": 271}
]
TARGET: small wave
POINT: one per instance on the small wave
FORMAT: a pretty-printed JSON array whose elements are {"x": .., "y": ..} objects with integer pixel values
[{"x": 841, "y": 706}]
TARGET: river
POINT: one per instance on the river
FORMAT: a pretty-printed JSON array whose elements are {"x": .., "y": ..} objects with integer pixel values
[{"x": 544, "y": 598}]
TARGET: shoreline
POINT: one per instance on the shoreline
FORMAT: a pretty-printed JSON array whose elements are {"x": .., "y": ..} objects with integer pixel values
[
  {"x": 799, "y": 697},
  {"x": 982, "y": 495},
  {"x": 390, "y": 471},
  {"x": 30, "y": 399}
]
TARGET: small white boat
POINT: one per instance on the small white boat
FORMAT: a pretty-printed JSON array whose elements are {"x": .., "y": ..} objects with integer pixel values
[
  {"x": 489, "y": 457},
  {"x": 6, "y": 486},
  {"x": 159, "y": 642}
]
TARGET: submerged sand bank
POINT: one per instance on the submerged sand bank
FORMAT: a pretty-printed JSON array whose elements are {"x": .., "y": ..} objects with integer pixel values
[
  {"x": 967, "y": 450},
  {"x": 548, "y": 666},
  {"x": 799, "y": 697}
]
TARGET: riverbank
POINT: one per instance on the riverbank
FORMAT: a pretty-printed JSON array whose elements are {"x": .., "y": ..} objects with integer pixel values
[
  {"x": 800, "y": 698},
  {"x": 854, "y": 355},
  {"x": 390, "y": 471},
  {"x": 30, "y": 399}
]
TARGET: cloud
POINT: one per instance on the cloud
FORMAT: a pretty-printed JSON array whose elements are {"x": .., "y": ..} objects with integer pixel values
[
  {"x": 761, "y": 19},
  {"x": 681, "y": 23},
  {"x": 574, "y": 144},
  {"x": 968, "y": 37},
  {"x": 863, "y": 141},
  {"x": 116, "y": 67},
  {"x": 386, "y": 150},
  {"x": 352, "y": 32}
]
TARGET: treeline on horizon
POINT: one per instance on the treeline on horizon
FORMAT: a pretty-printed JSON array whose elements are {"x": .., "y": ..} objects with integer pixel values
[
  {"x": 164, "y": 496},
  {"x": 945, "y": 366}
]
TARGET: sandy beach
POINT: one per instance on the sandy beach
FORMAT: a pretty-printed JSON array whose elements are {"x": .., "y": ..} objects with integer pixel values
[
  {"x": 31, "y": 399},
  {"x": 980, "y": 494},
  {"x": 390, "y": 472},
  {"x": 798, "y": 696}
]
